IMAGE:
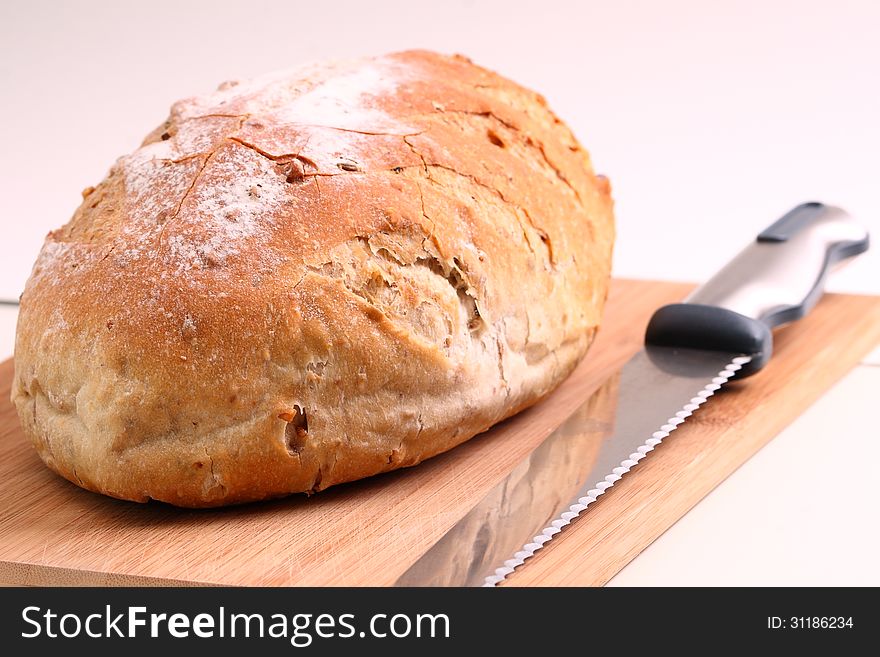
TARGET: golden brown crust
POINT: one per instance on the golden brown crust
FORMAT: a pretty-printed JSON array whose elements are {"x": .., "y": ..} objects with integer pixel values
[{"x": 310, "y": 278}]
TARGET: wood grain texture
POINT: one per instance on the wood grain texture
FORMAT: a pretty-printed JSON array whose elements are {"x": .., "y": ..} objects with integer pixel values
[{"x": 369, "y": 532}]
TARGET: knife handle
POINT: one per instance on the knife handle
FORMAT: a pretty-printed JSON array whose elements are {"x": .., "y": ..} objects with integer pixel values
[{"x": 775, "y": 280}]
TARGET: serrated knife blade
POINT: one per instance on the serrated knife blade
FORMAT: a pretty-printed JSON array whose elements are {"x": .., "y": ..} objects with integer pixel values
[{"x": 692, "y": 349}]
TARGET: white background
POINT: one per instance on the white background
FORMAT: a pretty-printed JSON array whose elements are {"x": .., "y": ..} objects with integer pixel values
[{"x": 711, "y": 119}]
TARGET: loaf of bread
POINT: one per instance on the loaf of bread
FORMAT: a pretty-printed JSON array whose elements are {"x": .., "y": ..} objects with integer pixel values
[{"x": 312, "y": 277}]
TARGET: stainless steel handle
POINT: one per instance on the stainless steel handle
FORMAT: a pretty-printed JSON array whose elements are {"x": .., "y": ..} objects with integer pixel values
[
  {"x": 776, "y": 279},
  {"x": 780, "y": 276}
]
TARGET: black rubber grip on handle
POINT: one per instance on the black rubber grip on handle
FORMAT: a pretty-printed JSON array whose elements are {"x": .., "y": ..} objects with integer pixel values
[
  {"x": 695, "y": 326},
  {"x": 791, "y": 222}
]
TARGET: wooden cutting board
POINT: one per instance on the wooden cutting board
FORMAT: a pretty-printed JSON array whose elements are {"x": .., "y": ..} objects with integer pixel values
[{"x": 369, "y": 532}]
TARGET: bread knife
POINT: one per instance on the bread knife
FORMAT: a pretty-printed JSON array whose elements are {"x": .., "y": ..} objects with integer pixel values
[{"x": 723, "y": 330}]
